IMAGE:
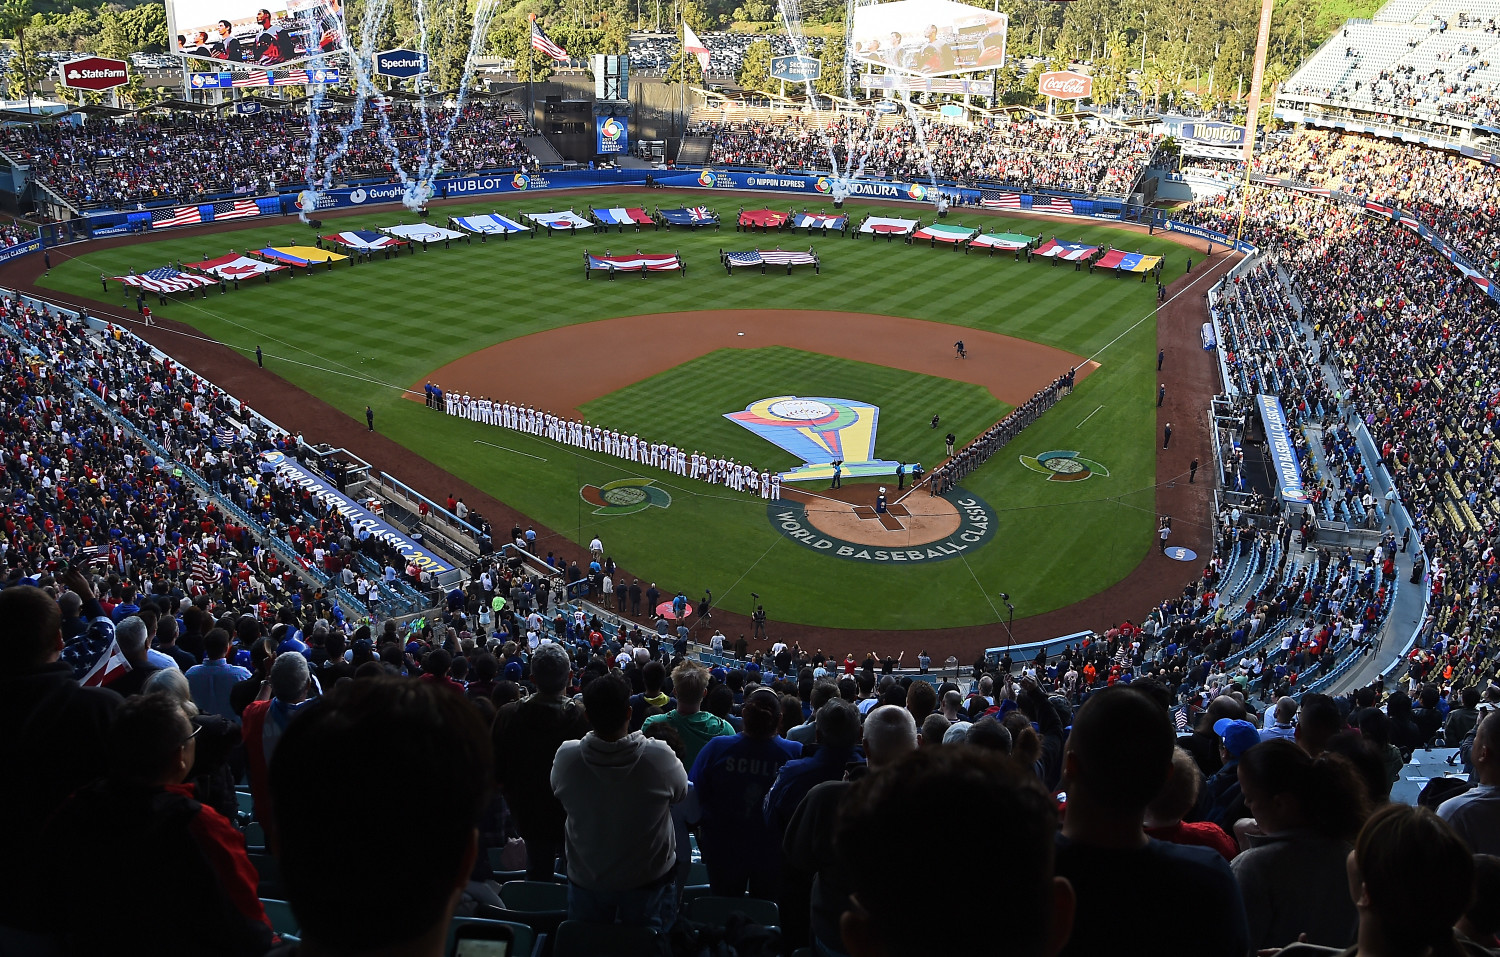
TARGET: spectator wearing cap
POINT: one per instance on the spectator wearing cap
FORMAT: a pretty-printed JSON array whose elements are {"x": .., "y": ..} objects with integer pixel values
[
  {"x": 889, "y": 733},
  {"x": 1236, "y": 736},
  {"x": 148, "y": 841},
  {"x": 264, "y": 721},
  {"x": 1118, "y": 758},
  {"x": 732, "y": 776},
  {"x": 617, "y": 787},
  {"x": 525, "y": 737},
  {"x": 54, "y": 741},
  {"x": 210, "y": 682},
  {"x": 694, "y": 725},
  {"x": 837, "y": 739}
]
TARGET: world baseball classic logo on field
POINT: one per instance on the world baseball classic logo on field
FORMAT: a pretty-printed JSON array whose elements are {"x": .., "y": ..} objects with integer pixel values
[
  {"x": 970, "y": 525},
  {"x": 819, "y": 431}
]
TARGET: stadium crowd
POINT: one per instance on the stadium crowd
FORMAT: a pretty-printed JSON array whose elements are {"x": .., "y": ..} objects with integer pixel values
[
  {"x": 1022, "y": 153},
  {"x": 183, "y": 158},
  {"x": 655, "y": 53}
]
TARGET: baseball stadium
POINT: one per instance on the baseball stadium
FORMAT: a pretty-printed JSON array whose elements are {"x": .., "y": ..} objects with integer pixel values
[{"x": 765, "y": 397}]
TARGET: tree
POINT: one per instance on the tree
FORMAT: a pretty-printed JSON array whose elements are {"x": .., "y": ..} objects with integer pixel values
[
  {"x": 140, "y": 29},
  {"x": 831, "y": 76},
  {"x": 755, "y": 67},
  {"x": 685, "y": 66}
]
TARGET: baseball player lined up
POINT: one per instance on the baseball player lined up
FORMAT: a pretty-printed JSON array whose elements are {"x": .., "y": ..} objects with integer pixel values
[{"x": 741, "y": 477}]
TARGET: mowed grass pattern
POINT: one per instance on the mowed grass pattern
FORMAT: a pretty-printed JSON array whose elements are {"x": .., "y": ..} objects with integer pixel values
[
  {"x": 358, "y": 335},
  {"x": 673, "y": 403}
]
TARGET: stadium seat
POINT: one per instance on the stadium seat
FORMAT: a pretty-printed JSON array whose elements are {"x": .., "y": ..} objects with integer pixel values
[
  {"x": 575, "y": 938},
  {"x": 534, "y": 897},
  {"x": 697, "y": 873},
  {"x": 283, "y": 921},
  {"x": 255, "y": 836},
  {"x": 716, "y": 910},
  {"x": 524, "y": 943},
  {"x": 503, "y": 876},
  {"x": 245, "y": 801},
  {"x": 270, "y": 875}
]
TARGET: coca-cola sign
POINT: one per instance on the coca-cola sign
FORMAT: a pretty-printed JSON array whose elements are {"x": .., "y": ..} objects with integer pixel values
[
  {"x": 94, "y": 73},
  {"x": 1065, "y": 85}
]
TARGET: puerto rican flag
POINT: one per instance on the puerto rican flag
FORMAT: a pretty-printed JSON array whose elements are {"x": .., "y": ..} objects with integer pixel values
[
  {"x": 1409, "y": 221},
  {"x": 181, "y": 216},
  {"x": 995, "y": 199},
  {"x": 111, "y": 665},
  {"x": 1068, "y": 251},
  {"x": 236, "y": 209}
]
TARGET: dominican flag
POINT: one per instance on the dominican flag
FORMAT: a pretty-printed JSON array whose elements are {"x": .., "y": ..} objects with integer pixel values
[
  {"x": 543, "y": 44},
  {"x": 1050, "y": 204},
  {"x": 236, "y": 209},
  {"x": 111, "y": 665},
  {"x": 181, "y": 216},
  {"x": 166, "y": 279},
  {"x": 995, "y": 199},
  {"x": 691, "y": 44}
]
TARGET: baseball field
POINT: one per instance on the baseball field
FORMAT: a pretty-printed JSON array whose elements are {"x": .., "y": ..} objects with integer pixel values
[{"x": 667, "y": 356}]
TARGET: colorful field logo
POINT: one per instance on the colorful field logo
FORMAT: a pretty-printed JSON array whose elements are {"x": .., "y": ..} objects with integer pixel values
[
  {"x": 708, "y": 178},
  {"x": 819, "y": 431},
  {"x": 520, "y": 181},
  {"x": 1063, "y": 466},
  {"x": 625, "y": 496},
  {"x": 917, "y": 192},
  {"x": 822, "y": 185},
  {"x": 976, "y": 527}
]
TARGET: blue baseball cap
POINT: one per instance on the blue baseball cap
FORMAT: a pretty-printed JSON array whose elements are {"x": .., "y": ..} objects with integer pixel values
[{"x": 1238, "y": 735}]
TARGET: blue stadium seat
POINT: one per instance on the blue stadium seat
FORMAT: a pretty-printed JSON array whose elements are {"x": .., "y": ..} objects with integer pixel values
[
  {"x": 255, "y": 836},
  {"x": 283, "y": 921}
]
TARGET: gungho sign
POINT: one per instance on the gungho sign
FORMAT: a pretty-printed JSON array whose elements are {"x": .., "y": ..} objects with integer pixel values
[{"x": 1065, "y": 85}]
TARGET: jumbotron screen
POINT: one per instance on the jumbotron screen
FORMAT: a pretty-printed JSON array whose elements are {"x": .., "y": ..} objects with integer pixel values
[
  {"x": 928, "y": 37},
  {"x": 262, "y": 33}
]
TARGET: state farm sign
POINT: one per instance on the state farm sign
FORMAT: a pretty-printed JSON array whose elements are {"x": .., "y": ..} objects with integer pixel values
[
  {"x": 1065, "y": 85},
  {"x": 94, "y": 73}
]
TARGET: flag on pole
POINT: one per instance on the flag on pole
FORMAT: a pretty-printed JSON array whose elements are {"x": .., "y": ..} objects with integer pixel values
[
  {"x": 543, "y": 43},
  {"x": 111, "y": 665},
  {"x": 691, "y": 44}
]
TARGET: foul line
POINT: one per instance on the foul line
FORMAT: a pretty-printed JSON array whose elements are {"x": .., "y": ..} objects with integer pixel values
[
  {"x": 505, "y": 448},
  {"x": 748, "y": 570},
  {"x": 982, "y": 590},
  {"x": 1086, "y": 418},
  {"x": 1175, "y": 296}
]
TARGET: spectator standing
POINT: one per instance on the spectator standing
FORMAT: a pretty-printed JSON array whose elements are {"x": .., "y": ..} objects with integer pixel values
[
  {"x": 264, "y": 721},
  {"x": 695, "y": 726},
  {"x": 526, "y": 735},
  {"x": 617, "y": 788},
  {"x": 1475, "y": 814},
  {"x": 211, "y": 681}
]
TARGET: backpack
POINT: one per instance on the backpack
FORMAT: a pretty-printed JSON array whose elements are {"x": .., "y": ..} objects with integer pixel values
[{"x": 1438, "y": 790}]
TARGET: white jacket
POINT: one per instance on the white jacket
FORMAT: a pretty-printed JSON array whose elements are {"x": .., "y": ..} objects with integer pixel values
[{"x": 618, "y": 795}]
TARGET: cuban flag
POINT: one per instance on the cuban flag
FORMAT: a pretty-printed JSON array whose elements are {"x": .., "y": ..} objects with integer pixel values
[
  {"x": 236, "y": 209},
  {"x": 995, "y": 199},
  {"x": 111, "y": 665},
  {"x": 180, "y": 216}
]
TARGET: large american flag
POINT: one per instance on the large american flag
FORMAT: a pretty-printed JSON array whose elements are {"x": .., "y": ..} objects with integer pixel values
[
  {"x": 777, "y": 257},
  {"x": 543, "y": 44},
  {"x": 995, "y": 199},
  {"x": 1051, "y": 204},
  {"x": 111, "y": 665},
  {"x": 236, "y": 209},
  {"x": 751, "y": 258},
  {"x": 181, "y": 216},
  {"x": 250, "y": 78},
  {"x": 166, "y": 279}
]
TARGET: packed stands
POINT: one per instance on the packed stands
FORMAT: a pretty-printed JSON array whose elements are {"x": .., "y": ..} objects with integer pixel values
[
  {"x": 1022, "y": 153},
  {"x": 654, "y": 52},
  {"x": 182, "y": 158}
]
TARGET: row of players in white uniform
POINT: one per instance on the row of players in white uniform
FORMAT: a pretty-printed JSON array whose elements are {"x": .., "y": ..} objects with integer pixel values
[{"x": 726, "y": 472}]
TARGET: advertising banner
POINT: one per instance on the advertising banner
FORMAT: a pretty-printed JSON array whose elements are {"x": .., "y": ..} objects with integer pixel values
[
  {"x": 1203, "y": 232},
  {"x": 1215, "y": 134},
  {"x": 1279, "y": 444},
  {"x": 211, "y": 81},
  {"x": 94, "y": 73},
  {"x": 268, "y": 33},
  {"x": 1065, "y": 85},
  {"x": 402, "y": 64},
  {"x": 795, "y": 69},
  {"x": 20, "y": 249},
  {"x": 357, "y": 515},
  {"x": 928, "y": 37},
  {"x": 927, "y": 84},
  {"x": 613, "y": 135}
]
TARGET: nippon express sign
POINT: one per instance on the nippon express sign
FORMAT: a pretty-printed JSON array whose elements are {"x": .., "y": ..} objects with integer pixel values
[
  {"x": 94, "y": 73},
  {"x": 614, "y": 135},
  {"x": 402, "y": 64},
  {"x": 1065, "y": 85}
]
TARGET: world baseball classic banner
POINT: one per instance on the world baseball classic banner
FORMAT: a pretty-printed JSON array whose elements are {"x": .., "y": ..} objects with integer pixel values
[
  {"x": 1283, "y": 455},
  {"x": 1201, "y": 232},
  {"x": 357, "y": 515},
  {"x": 20, "y": 249}
]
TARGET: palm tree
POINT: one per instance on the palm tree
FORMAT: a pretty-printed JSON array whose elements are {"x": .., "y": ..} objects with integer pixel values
[{"x": 15, "y": 16}]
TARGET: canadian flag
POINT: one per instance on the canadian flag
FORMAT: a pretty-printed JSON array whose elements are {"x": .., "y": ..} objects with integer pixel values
[
  {"x": 111, "y": 665},
  {"x": 691, "y": 44}
]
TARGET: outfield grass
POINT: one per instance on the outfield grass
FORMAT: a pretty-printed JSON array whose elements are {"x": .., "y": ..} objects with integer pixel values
[
  {"x": 674, "y": 403},
  {"x": 357, "y": 335}
]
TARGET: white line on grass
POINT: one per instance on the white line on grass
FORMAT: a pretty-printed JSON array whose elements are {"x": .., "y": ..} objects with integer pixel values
[
  {"x": 748, "y": 570},
  {"x": 506, "y": 448},
  {"x": 1086, "y": 418},
  {"x": 1182, "y": 292},
  {"x": 982, "y": 590}
]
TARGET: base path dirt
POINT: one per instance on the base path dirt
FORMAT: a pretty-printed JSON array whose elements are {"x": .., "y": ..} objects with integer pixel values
[
  {"x": 1012, "y": 369},
  {"x": 1189, "y": 373}
]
